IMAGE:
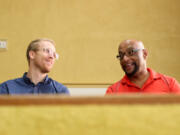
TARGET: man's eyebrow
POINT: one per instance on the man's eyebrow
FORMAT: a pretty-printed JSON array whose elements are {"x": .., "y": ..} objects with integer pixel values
[
  {"x": 130, "y": 47},
  {"x": 120, "y": 51}
]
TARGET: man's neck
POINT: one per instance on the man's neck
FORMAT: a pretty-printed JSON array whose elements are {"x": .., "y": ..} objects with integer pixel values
[
  {"x": 140, "y": 78},
  {"x": 36, "y": 76}
]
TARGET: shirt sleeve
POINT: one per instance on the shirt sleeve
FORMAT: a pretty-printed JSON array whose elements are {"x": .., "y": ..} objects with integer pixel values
[
  {"x": 175, "y": 86},
  {"x": 61, "y": 89},
  {"x": 4, "y": 88},
  {"x": 109, "y": 90},
  {"x": 65, "y": 90}
]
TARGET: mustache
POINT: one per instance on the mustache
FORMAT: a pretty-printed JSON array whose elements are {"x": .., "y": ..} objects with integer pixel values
[
  {"x": 125, "y": 65},
  {"x": 136, "y": 68}
]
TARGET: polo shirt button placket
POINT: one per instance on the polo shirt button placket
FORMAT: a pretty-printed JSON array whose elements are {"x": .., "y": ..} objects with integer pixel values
[{"x": 35, "y": 89}]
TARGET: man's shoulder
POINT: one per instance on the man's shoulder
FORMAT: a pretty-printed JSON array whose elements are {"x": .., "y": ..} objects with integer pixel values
[
  {"x": 169, "y": 80},
  {"x": 164, "y": 76},
  {"x": 10, "y": 85},
  {"x": 113, "y": 88},
  {"x": 13, "y": 81},
  {"x": 115, "y": 85},
  {"x": 167, "y": 76},
  {"x": 57, "y": 83},
  {"x": 60, "y": 87}
]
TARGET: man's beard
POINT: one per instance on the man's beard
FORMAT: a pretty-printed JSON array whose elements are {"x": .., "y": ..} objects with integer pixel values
[
  {"x": 42, "y": 68},
  {"x": 44, "y": 71},
  {"x": 136, "y": 68}
]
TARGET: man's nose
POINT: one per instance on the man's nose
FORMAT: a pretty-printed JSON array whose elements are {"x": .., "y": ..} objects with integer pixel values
[
  {"x": 51, "y": 55},
  {"x": 125, "y": 58}
]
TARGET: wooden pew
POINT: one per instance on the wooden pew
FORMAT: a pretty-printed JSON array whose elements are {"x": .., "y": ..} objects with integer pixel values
[{"x": 125, "y": 114}]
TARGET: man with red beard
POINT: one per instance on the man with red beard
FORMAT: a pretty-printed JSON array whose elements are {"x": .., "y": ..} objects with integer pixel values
[
  {"x": 138, "y": 78},
  {"x": 41, "y": 55}
]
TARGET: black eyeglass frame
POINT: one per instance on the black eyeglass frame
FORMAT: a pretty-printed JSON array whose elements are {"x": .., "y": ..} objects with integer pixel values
[{"x": 129, "y": 53}]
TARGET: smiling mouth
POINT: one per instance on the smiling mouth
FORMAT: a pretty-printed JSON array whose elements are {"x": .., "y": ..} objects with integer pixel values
[
  {"x": 128, "y": 67},
  {"x": 49, "y": 62}
]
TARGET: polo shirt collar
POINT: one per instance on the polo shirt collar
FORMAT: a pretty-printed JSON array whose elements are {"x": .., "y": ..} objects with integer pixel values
[
  {"x": 28, "y": 81},
  {"x": 153, "y": 74}
]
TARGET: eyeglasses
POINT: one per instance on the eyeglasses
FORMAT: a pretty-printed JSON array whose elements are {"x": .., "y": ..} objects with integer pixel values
[
  {"x": 128, "y": 53},
  {"x": 50, "y": 52}
]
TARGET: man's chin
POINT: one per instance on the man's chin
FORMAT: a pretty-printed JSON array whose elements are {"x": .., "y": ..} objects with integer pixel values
[
  {"x": 132, "y": 73},
  {"x": 46, "y": 70},
  {"x": 129, "y": 74},
  {"x": 128, "y": 71}
]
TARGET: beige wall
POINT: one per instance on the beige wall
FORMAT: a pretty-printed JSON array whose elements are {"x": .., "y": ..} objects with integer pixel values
[{"x": 87, "y": 34}]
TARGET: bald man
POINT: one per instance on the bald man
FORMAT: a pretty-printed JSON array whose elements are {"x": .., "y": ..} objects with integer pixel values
[{"x": 138, "y": 78}]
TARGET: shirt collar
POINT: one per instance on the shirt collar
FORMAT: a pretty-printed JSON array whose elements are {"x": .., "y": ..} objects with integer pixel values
[
  {"x": 152, "y": 76},
  {"x": 27, "y": 80}
]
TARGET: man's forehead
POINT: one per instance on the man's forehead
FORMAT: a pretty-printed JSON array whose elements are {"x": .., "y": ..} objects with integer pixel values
[
  {"x": 131, "y": 44},
  {"x": 46, "y": 44}
]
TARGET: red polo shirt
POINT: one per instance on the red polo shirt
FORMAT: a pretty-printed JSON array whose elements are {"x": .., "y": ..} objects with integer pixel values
[{"x": 156, "y": 83}]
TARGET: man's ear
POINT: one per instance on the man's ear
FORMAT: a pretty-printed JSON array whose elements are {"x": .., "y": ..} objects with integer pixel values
[
  {"x": 31, "y": 54},
  {"x": 145, "y": 53}
]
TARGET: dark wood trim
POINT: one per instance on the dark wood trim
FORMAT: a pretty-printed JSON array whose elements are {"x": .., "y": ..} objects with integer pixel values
[{"x": 67, "y": 100}]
